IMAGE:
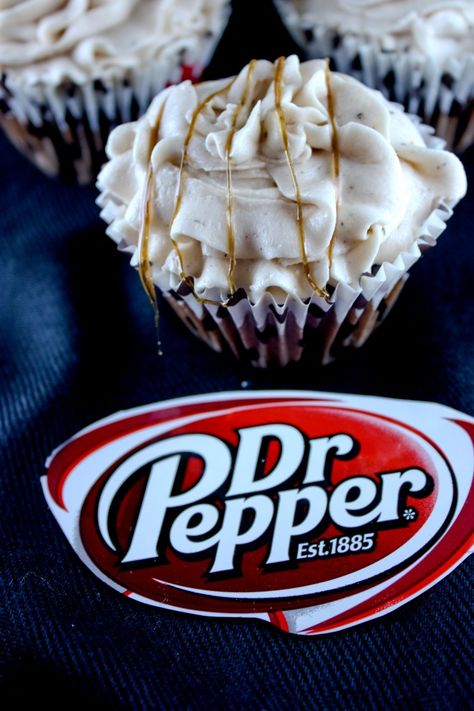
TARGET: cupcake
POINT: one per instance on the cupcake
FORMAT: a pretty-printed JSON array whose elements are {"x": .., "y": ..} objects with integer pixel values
[
  {"x": 279, "y": 210},
  {"x": 417, "y": 52},
  {"x": 71, "y": 71}
]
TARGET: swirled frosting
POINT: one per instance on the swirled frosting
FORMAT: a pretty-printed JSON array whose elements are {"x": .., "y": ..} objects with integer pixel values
[
  {"x": 52, "y": 40},
  {"x": 283, "y": 179},
  {"x": 430, "y": 26}
]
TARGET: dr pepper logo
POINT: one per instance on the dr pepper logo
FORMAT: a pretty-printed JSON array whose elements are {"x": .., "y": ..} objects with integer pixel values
[{"x": 313, "y": 511}]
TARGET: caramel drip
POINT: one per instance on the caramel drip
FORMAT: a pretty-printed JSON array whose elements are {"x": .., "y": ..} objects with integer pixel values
[
  {"x": 335, "y": 153},
  {"x": 280, "y": 65},
  {"x": 144, "y": 263},
  {"x": 180, "y": 190},
  {"x": 230, "y": 199}
]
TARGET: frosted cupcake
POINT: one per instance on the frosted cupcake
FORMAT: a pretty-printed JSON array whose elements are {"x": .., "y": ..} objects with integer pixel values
[
  {"x": 417, "y": 52},
  {"x": 74, "y": 69},
  {"x": 278, "y": 210}
]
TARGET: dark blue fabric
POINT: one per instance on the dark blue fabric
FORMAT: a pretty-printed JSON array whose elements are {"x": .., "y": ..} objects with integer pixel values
[{"x": 78, "y": 343}]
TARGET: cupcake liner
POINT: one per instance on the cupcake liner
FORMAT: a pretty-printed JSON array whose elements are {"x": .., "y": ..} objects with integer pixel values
[
  {"x": 441, "y": 94},
  {"x": 266, "y": 333},
  {"x": 63, "y": 129}
]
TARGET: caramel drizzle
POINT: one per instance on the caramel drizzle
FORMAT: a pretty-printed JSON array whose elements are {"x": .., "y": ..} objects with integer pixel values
[
  {"x": 335, "y": 153},
  {"x": 280, "y": 65},
  {"x": 230, "y": 199},
  {"x": 144, "y": 263},
  {"x": 180, "y": 190}
]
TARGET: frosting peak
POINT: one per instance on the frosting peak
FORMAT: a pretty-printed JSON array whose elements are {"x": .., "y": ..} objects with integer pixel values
[
  {"x": 77, "y": 39},
  {"x": 286, "y": 178}
]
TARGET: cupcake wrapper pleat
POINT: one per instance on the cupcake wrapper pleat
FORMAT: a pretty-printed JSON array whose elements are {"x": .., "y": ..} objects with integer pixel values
[
  {"x": 441, "y": 94},
  {"x": 270, "y": 334}
]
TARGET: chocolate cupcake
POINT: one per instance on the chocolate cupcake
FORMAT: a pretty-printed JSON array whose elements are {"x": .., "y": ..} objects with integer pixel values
[
  {"x": 71, "y": 71},
  {"x": 278, "y": 210},
  {"x": 417, "y": 52}
]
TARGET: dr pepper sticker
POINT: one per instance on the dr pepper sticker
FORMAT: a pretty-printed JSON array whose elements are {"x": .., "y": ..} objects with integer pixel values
[{"x": 312, "y": 511}]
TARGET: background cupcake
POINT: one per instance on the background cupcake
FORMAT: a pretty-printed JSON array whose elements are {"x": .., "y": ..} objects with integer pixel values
[
  {"x": 74, "y": 69},
  {"x": 417, "y": 52},
  {"x": 279, "y": 209}
]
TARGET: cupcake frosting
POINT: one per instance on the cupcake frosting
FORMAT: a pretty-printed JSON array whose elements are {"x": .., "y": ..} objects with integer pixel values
[
  {"x": 286, "y": 178},
  {"x": 53, "y": 40},
  {"x": 431, "y": 26}
]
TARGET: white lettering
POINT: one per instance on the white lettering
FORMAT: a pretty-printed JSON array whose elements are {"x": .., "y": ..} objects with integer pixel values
[
  {"x": 181, "y": 532},
  {"x": 158, "y": 497},
  {"x": 343, "y": 501},
  {"x": 246, "y": 464},
  {"x": 319, "y": 448},
  {"x": 285, "y": 527},
  {"x": 413, "y": 479},
  {"x": 199, "y": 524},
  {"x": 230, "y": 535}
]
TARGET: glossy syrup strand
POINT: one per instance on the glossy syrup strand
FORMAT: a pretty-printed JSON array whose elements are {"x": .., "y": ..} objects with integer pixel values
[
  {"x": 280, "y": 65},
  {"x": 335, "y": 153},
  {"x": 230, "y": 198},
  {"x": 144, "y": 263},
  {"x": 180, "y": 190}
]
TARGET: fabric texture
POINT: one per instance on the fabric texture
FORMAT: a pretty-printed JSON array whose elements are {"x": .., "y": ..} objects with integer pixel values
[{"x": 78, "y": 343}]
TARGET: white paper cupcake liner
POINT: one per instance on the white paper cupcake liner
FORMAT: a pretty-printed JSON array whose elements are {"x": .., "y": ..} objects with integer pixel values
[
  {"x": 267, "y": 333},
  {"x": 442, "y": 94},
  {"x": 63, "y": 129}
]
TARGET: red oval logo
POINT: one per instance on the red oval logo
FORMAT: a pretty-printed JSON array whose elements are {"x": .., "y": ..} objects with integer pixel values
[{"x": 305, "y": 509}]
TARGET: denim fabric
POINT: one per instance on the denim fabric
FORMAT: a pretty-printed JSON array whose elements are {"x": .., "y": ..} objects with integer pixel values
[{"x": 78, "y": 343}]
